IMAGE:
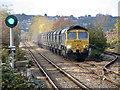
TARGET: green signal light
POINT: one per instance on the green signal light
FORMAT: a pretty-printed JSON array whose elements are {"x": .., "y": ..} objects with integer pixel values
[{"x": 11, "y": 21}]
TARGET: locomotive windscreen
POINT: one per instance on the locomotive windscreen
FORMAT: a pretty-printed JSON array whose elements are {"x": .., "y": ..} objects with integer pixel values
[
  {"x": 72, "y": 35},
  {"x": 82, "y": 35}
]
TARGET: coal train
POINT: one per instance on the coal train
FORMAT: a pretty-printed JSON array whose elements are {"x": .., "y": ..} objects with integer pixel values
[{"x": 72, "y": 42}]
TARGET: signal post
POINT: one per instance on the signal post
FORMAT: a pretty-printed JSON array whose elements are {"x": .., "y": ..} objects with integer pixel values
[{"x": 11, "y": 21}]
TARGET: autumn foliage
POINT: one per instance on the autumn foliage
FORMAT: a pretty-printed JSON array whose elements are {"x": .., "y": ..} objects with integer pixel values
[
  {"x": 62, "y": 23},
  {"x": 42, "y": 24}
]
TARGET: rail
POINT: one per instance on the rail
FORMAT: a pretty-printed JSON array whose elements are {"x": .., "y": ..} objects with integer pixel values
[
  {"x": 80, "y": 84},
  {"x": 109, "y": 64},
  {"x": 34, "y": 58}
]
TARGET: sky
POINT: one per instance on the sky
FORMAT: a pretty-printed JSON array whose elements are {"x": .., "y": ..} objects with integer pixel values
[{"x": 63, "y": 7}]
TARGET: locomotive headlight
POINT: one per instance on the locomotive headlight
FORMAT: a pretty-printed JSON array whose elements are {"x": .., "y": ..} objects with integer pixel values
[
  {"x": 85, "y": 46},
  {"x": 69, "y": 46}
]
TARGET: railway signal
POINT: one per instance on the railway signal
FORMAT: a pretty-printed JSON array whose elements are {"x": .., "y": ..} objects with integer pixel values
[{"x": 11, "y": 21}]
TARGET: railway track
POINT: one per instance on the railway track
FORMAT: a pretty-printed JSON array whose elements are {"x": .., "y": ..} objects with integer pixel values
[
  {"x": 116, "y": 59},
  {"x": 41, "y": 69},
  {"x": 108, "y": 74},
  {"x": 87, "y": 77},
  {"x": 76, "y": 83}
]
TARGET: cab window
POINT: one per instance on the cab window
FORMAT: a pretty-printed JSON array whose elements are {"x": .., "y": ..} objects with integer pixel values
[
  {"x": 72, "y": 35},
  {"x": 82, "y": 35}
]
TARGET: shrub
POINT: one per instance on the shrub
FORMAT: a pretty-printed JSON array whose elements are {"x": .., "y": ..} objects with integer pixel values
[
  {"x": 95, "y": 54},
  {"x": 20, "y": 55},
  {"x": 10, "y": 80},
  {"x": 5, "y": 54},
  {"x": 97, "y": 41}
]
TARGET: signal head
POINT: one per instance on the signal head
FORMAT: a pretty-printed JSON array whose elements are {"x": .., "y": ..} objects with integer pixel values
[{"x": 11, "y": 21}]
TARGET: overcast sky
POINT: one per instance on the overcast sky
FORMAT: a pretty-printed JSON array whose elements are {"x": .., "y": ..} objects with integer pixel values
[{"x": 63, "y": 7}]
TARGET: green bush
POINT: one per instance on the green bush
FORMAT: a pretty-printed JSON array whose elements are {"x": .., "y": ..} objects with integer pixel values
[
  {"x": 10, "y": 80},
  {"x": 97, "y": 42},
  {"x": 5, "y": 54},
  {"x": 20, "y": 55},
  {"x": 95, "y": 54}
]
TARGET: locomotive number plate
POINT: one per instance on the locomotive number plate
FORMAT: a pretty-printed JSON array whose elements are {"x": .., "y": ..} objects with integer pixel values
[{"x": 77, "y": 40}]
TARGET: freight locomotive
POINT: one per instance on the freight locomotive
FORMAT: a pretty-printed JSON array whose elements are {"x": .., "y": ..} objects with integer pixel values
[{"x": 72, "y": 42}]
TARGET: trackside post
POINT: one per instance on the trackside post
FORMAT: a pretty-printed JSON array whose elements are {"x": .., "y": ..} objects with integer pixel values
[{"x": 11, "y": 21}]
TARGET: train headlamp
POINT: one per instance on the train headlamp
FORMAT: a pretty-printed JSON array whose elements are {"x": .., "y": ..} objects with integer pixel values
[
  {"x": 85, "y": 46},
  {"x": 69, "y": 46}
]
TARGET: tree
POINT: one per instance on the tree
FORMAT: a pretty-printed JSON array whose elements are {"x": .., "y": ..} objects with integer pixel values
[
  {"x": 39, "y": 25},
  {"x": 62, "y": 22},
  {"x": 104, "y": 21},
  {"x": 97, "y": 37},
  {"x": 97, "y": 41},
  {"x": 6, "y": 31},
  {"x": 117, "y": 31},
  {"x": 114, "y": 41}
]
